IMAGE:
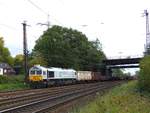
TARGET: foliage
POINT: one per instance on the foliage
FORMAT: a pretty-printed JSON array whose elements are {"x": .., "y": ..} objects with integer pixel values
[
  {"x": 18, "y": 60},
  {"x": 118, "y": 73},
  {"x": 18, "y": 63},
  {"x": 137, "y": 73},
  {"x": 12, "y": 83},
  {"x": 144, "y": 76},
  {"x": 67, "y": 48},
  {"x": 122, "y": 99},
  {"x": 13, "y": 86},
  {"x": 5, "y": 54},
  {"x": 36, "y": 58},
  {"x": 11, "y": 79}
]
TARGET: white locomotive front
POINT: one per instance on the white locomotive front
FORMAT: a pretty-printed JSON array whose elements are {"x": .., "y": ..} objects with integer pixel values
[{"x": 42, "y": 76}]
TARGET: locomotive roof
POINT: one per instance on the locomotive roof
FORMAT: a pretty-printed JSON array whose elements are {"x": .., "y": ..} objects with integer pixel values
[
  {"x": 59, "y": 69},
  {"x": 50, "y": 69},
  {"x": 36, "y": 67}
]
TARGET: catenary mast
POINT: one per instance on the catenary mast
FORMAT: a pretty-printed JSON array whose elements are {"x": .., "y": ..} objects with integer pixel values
[
  {"x": 147, "y": 46},
  {"x": 25, "y": 51}
]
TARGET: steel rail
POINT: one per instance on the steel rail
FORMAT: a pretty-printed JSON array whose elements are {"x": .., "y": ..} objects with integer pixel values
[
  {"x": 53, "y": 100},
  {"x": 34, "y": 97}
]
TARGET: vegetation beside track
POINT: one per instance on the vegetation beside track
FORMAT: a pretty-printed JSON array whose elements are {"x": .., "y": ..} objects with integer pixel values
[
  {"x": 144, "y": 78},
  {"x": 9, "y": 83},
  {"x": 122, "y": 99}
]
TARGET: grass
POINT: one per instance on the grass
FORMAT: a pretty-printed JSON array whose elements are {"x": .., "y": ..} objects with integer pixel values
[
  {"x": 122, "y": 99},
  {"x": 9, "y": 83}
]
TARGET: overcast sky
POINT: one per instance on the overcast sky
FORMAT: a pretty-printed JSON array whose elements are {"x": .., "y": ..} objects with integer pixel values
[{"x": 118, "y": 24}]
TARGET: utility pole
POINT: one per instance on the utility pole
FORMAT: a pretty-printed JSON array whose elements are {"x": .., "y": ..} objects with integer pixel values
[
  {"x": 25, "y": 51},
  {"x": 147, "y": 46}
]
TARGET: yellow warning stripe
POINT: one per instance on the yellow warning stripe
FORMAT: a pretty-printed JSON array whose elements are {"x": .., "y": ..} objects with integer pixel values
[{"x": 35, "y": 78}]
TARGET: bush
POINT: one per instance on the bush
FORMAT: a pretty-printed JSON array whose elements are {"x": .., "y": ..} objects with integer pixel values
[
  {"x": 11, "y": 83},
  {"x": 11, "y": 79},
  {"x": 3, "y": 79},
  {"x": 144, "y": 77}
]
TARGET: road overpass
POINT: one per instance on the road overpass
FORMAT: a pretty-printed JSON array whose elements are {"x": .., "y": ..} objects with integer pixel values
[{"x": 121, "y": 63}]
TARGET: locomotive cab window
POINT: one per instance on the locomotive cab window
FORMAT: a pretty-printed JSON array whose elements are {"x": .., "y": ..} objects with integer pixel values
[
  {"x": 50, "y": 74},
  {"x": 44, "y": 72},
  {"x": 32, "y": 72},
  {"x": 38, "y": 72}
]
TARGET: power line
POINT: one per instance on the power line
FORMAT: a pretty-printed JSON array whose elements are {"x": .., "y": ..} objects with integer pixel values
[
  {"x": 7, "y": 26},
  {"x": 38, "y": 7},
  {"x": 43, "y": 11}
]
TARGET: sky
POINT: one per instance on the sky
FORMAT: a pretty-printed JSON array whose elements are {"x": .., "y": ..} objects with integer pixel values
[{"x": 118, "y": 24}]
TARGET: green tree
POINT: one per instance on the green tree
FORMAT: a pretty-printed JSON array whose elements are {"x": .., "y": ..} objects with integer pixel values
[
  {"x": 36, "y": 59},
  {"x": 18, "y": 63},
  {"x": 137, "y": 73},
  {"x": 5, "y": 54},
  {"x": 117, "y": 72},
  {"x": 18, "y": 60},
  {"x": 68, "y": 48},
  {"x": 95, "y": 55},
  {"x": 144, "y": 75}
]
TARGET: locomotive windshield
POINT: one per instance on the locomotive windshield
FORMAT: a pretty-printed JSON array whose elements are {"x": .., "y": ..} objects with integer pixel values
[
  {"x": 38, "y": 72},
  {"x": 34, "y": 72}
]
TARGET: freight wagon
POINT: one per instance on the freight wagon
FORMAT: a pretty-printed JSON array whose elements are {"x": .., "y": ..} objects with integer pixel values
[
  {"x": 96, "y": 76},
  {"x": 84, "y": 76}
]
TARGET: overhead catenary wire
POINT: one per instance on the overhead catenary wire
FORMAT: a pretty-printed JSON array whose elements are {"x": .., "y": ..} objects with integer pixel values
[
  {"x": 37, "y": 7},
  {"x": 7, "y": 26},
  {"x": 44, "y": 12}
]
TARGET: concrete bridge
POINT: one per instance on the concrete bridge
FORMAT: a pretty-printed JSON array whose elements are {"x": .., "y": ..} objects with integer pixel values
[{"x": 120, "y": 63}]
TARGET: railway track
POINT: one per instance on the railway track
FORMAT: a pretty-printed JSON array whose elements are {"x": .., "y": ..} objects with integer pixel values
[
  {"x": 13, "y": 94},
  {"x": 49, "y": 99},
  {"x": 31, "y": 97}
]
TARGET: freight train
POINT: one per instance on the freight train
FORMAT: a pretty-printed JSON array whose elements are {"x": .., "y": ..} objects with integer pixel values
[{"x": 40, "y": 76}]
